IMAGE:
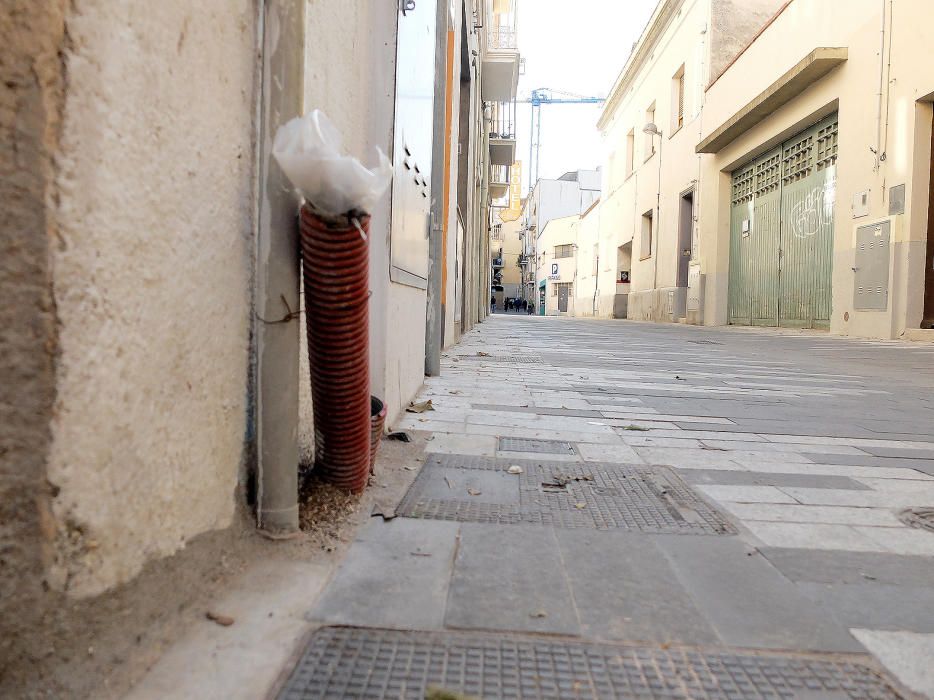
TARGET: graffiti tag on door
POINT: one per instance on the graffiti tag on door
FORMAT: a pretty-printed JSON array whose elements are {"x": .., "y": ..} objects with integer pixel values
[{"x": 814, "y": 211}]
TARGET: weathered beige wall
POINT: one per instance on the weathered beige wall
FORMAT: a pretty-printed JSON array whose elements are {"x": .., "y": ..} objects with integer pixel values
[
  {"x": 733, "y": 24},
  {"x": 31, "y": 36},
  {"x": 852, "y": 89},
  {"x": 152, "y": 267},
  {"x": 590, "y": 260}
]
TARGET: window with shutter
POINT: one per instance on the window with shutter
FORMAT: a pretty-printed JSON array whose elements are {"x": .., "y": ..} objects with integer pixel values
[
  {"x": 681, "y": 98},
  {"x": 677, "y": 99}
]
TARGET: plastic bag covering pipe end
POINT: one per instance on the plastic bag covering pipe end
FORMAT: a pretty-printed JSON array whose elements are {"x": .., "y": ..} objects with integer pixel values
[{"x": 309, "y": 151}]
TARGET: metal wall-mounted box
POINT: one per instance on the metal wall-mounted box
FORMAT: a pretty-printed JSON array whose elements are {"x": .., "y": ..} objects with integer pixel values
[
  {"x": 695, "y": 288},
  {"x": 871, "y": 285},
  {"x": 897, "y": 200},
  {"x": 860, "y": 204}
]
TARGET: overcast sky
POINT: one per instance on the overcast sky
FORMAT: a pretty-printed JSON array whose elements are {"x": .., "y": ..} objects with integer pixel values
[{"x": 578, "y": 46}]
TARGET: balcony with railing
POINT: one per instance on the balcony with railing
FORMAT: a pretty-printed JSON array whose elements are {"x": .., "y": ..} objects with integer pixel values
[
  {"x": 501, "y": 58},
  {"x": 502, "y": 126},
  {"x": 499, "y": 181}
]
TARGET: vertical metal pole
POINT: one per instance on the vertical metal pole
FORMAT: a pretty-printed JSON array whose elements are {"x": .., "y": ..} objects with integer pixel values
[
  {"x": 531, "y": 143},
  {"x": 658, "y": 216},
  {"x": 277, "y": 280},
  {"x": 538, "y": 141}
]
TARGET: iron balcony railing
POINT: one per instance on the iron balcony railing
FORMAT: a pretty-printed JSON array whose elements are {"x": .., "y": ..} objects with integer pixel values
[
  {"x": 501, "y": 24},
  {"x": 502, "y": 39},
  {"x": 503, "y": 121},
  {"x": 499, "y": 174}
]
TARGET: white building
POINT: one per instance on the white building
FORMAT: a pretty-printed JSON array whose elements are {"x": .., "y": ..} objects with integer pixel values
[{"x": 571, "y": 194}]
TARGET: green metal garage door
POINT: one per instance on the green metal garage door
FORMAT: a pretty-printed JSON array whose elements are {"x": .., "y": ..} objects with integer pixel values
[{"x": 781, "y": 232}]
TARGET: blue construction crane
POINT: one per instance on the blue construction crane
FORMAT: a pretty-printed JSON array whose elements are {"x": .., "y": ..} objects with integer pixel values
[{"x": 545, "y": 96}]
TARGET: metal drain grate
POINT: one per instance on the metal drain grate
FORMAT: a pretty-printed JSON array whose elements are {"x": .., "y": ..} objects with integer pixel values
[
  {"x": 554, "y": 447},
  {"x": 920, "y": 518},
  {"x": 561, "y": 494},
  {"x": 342, "y": 662},
  {"x": 513, "y": 359}
]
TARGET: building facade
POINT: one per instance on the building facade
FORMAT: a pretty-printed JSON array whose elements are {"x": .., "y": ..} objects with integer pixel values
[
  {"x": 751, "y": 178},
  {"x": 505, "y": 250},
  {"x": 817, "y": 177},
  {"x": 556, "y": 269},
  {"x": 154, "y": 374},
  {"x": 572, "y": 193},
  {"x": 651, "y": 177}
]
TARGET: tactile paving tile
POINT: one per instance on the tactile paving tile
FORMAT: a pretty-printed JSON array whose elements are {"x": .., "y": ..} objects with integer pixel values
[
  {"x": 562, "y": 494},
  {"x": 554, "y": 447},
  {"x": 346, "y": 662}
]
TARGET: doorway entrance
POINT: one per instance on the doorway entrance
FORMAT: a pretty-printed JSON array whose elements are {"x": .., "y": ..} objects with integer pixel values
[
  {"x": 781, "y": 232},
  {"x": 685, "y": 236},
  {"x": 928, "y": 317},
  {"x": 563, "y": 289}
]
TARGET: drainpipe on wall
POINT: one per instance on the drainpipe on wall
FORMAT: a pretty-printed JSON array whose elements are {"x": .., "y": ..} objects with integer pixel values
[
  {"x": 878, "y": 151},
  {"x": 276, "y": 337},
  {"x": 656, "y": 239},
  {"x": 596, "y": 277}
]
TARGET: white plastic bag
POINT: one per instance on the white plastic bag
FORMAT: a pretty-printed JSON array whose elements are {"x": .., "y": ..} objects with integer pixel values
[{"x": 308, "y": 149}]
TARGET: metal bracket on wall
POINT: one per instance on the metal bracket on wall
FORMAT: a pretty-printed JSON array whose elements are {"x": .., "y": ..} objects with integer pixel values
[{"x": 407, "y": 6}]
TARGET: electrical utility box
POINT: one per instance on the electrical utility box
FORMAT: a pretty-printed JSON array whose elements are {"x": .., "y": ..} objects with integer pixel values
[{"x": 871, "y": 288}]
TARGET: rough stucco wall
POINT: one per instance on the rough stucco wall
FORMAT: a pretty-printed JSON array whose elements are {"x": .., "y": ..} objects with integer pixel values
[
  {"x": 31, "y": 35},
  {"x": 733, "y": 24},
  {"x": 152, "y": 275}
]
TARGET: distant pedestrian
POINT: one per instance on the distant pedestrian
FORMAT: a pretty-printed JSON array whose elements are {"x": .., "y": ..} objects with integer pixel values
[
  {"x": 508, "y": 304},
  {"x": 492, "y": 304},
  {"x": 531, "y": 308}
]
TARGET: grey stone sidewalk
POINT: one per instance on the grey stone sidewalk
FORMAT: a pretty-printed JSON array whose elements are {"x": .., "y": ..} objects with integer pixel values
[{"x": 612, "y": 509}]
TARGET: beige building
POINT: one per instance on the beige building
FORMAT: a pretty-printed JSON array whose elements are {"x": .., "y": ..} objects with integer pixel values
[
  {"x": 834, "y": 136},
  {"x": 587, "y": 286},
  {"x": 650, "y": 180},
  {"x": 150, "y": 386},
  {"x": 556, "y": 270},
  {"x": 753, "y": 178},
  {"x": 505, "y": 249}
]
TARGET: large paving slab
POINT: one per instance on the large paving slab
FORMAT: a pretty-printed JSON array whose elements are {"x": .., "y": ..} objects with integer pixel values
[
  {"x": 510, "y": 578},
  {"x": 395, "y": 575},
  {"x": 745, "y": 601},
  {"x": 629, "y": 592},
  {"x": 851, "y": 567}
]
